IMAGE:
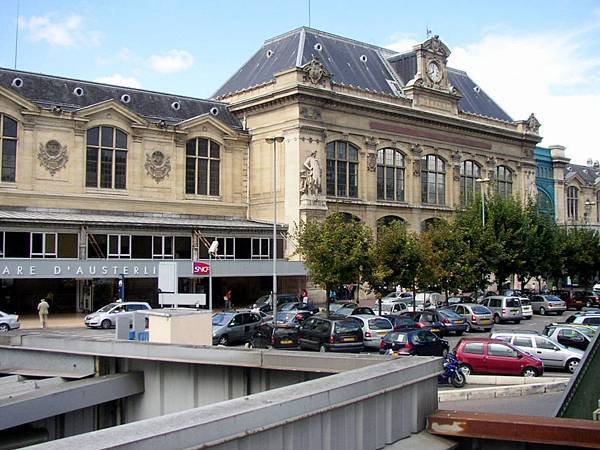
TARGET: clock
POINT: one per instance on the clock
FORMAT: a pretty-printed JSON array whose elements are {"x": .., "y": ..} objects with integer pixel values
[{"x": 434, "y": 72}]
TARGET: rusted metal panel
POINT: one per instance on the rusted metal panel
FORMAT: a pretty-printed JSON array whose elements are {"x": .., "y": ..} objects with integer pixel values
[{"x": 507, "y": 427}]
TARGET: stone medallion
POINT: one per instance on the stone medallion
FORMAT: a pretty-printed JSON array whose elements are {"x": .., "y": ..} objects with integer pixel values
[
  {"x": 157, "y": 165},
  {"x": 53, "y": 156}
]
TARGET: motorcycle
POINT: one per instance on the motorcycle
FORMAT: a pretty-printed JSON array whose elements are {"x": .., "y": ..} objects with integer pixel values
[{"x": 452, "y": 372}]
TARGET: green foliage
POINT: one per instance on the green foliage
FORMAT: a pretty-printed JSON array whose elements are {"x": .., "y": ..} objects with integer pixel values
[{"x": 581, "y": 252}]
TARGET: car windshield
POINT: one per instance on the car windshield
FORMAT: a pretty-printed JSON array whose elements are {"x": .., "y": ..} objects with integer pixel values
[
  {"x": 512, "y": 302},
  {"x": 288, "y": 306},
  {"x": 221, "y": 319},
  {"x": 107, "y": 307},
  {"x": 346, "y": 326},
  {"x": 553, "y": 298},
  {"x": 263, "y": 300},
  {"x": 285, "y": 317},
  {"x": 380, "y": 324},
  {"x": 480, "y": 310},
  {"x": 344, "y": 311}
]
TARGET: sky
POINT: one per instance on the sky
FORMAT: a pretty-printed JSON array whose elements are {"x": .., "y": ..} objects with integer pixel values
[{"x": 529, "y": 56}]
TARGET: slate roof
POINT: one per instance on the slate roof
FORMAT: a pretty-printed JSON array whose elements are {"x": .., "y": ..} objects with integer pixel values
[
  {"x": 48, "y": 91},
  {"x": 342, "y": 58},
  {"x": 589, "y": 174}
]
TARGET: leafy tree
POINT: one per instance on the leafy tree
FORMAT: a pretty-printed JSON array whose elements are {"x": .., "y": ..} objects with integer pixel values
[
  {"x": 334, "y": 250},
  {"x": 581, "y": 254}
]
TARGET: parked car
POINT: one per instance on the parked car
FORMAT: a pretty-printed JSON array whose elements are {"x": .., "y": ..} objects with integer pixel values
[
  {"x": 426, "y": 320},
  {"x": 493, "y": 356},
  {"x": 415, "y": 342},
  {"x": 592, "y": 319},
  {"x": 334, "y": 306},
  {"x": 328, "y": 335},
  {"x": 397, "y": 297},
  {"x": 401, "y": 322},
  {"x": 353, "y": 311},
  {"x": 230, "y": 327},
  {"x": 590, "y": 299},
  {"x": 265, "y": 304},
  {"x": 451, "y": 321},
  {"x": 391, "y": 308},
  {"x": 460, "y": 299},
  {"x": 428, "y": 299},
  {"x": 526, "y": 309},
  {"x": 544, "y": 304},
  {"x": 553, "y": 354},
  {"x": 373, "y": 327},
  {"x": 570, "y": 336},
  {"x": 284, "y": 335},
  {"x": 572, "y": 301},
  {"x": 106, "y": 317},
  {"x": 477, "y": 317},
  {"x": 504, "y": 309},
  {"x": 299, "y": 306},
  {"x": 8, "y": 322}
]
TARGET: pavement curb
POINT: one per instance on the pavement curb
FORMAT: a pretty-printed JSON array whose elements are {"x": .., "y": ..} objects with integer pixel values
[{"x": 515, "y": 390}]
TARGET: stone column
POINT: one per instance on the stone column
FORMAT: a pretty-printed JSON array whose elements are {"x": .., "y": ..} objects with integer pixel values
[{"x": 559, "y": 162}]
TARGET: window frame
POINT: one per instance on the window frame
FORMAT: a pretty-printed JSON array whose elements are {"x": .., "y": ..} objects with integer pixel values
[
  {"x": 398, "y": 175},
  {"x": 161, "y": 254},
  {"x": 337, "y": 166},
  {"x": 4, "y": 176},
  {"x": 117, "y": 181},
  {"x": 120, "y": 238},
  {"x": 211, "y": 182},
  {"x": 226, "y": 247},
  {"x": 503, "y": 176},
  {"x": 43, "y": 253},
  {"x": 468, "y": 184},
  {"x": 439, "y": 179},
  {"x": 260, "y": 254},
  {"x": 572, "y": 202}
]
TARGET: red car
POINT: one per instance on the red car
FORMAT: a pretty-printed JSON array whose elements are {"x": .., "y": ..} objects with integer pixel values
[{"x": 496, "y": 357}]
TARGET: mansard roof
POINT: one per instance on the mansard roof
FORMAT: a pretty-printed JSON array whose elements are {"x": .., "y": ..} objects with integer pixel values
[
  {"x": 345, "y": 59},
  {"x": 589, "y": 174},
  {"x": 48, "y": 91}
]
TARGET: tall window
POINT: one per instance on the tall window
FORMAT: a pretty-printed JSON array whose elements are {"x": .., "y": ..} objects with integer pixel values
[
  {"x": 504, "y": 181},
  {"x": 8, "y": 148},
  {"x": 261, "y": 248},
  {"x": 342, "y": 169},
  {"x": 390, "y": 175},
  {"x": 162, "y": 247},
  {"x": 572, "y": 202},
  {"x": 106, "y": 161},
  {"x": 203, "y": 158},
  {"x": 469, "y": 172},
  {"x": 433, "y": 180},
  {"x": 43, "y": 245},
  {"x": 119, "y": 246}
]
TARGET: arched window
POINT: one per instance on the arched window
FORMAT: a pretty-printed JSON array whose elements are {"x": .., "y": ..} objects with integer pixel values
[
  {"x": 545, "y": 204},
  {"x": 433, "y": 180},
  {"x": 8, "y": 148},
  {"x": 342, "y": 169},
  {"x": 504, "y": 181},
  {"x": 202, "y": 167},
  {"x": 572, "y": 202},
  {"x": 106, "y": 158},
  {"x": 469, "y": 172},
  {"x": 390, "y": 175}
]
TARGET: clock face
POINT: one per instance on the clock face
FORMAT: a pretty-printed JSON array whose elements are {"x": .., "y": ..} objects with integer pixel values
[{"x": 434, "y": 72}]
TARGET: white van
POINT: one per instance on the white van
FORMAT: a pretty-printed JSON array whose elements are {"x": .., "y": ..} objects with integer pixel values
[{"x": 106, "y": 317}]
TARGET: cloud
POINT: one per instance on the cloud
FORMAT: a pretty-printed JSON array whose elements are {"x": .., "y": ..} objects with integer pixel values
[
  {"x": 171, "y": 61},
  {"x": 119, "y": 80},
  {"x": 553, "y": 74},
  {"x": 403, "y": 42},
  {"x": 68, "y": 32}
]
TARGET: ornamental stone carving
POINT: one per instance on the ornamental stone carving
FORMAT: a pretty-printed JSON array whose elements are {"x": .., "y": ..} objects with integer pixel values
[
  {"x": 456, "y": 172},
  {"x": 417, "y": 149},
  {"x": 157, "y": 165},
  {"x": 371, "y": 162},
  {"x": 314, "y": 70},
  {"x": 310, "y": 177},
  {"x": 532, "y": 124},
  {"x": 417, "y": 167},
  {"x": 53, "y": 156}
]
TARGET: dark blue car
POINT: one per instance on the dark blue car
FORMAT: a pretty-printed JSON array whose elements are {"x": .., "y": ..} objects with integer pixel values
[{"x": 416, "y": 342}]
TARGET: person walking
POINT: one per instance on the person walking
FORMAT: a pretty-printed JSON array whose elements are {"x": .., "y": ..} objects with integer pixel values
[
  {"x": 43, "y": 309},
  {"x": 227, "y": 299},
  {"x": 305, "y": 296}
]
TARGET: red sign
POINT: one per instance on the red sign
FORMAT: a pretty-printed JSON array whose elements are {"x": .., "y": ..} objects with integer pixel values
[{"x": 201, "y": 268}]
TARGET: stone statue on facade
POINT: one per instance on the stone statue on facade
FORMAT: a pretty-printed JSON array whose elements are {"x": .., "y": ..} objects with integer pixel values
[{"x": 311, "y": 175}]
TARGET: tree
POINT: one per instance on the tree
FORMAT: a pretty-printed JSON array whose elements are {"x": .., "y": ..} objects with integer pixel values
[
  {"x": 335, "y": 250},
  {"x": 581, "y": 254}
]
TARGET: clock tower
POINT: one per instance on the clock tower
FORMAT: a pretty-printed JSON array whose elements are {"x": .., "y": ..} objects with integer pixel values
[{"x": 430, "y": 88}]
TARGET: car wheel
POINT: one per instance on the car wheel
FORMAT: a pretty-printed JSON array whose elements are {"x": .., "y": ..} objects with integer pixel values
[
  {"x": 106, "y": 324},
  {"x": 571, "y": 365},
  {"x": 445, "y": 352},
  {"x": 496, "y": 319},
  {"x": 542, "y": 311},
  {"x": 466, "y": 369},
  {"x": 4, "y": 327},
  {"x": 468, "y": 330},
  {"x": 224, "y": 340},
  {"x": 323, "y": 349},
  {"x": 529, "y": 372}
]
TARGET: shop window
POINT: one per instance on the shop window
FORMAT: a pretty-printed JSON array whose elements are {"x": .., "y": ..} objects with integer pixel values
[
  {"x": 68, "y": 245},
  {"x": 243, "y": 248},
  {"x": 433, "y": 180},
  {"x": 8, "y": 148},
  {"x": 183, "y": 247},
  {"x": 141, "y": 247},
  {"x": 390, "y": 175},
  {"x": 17, "y": 244},
  {"x": 119, "y": 246},
  {"x": 43, "y": 245},
  {"x": 260, "y": 248},
  {"x": 202, "y": 166},
  {"x": 106, "y": 158},
  {"x": 342, "y": 169},
  {"x": 162, "y": 247}
]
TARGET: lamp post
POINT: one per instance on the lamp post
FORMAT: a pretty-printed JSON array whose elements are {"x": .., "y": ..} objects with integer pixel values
[
  {"x": 212, "y": 250},
  {"x": 482, "y": 181},
  {"x": 274, "y": 141}
]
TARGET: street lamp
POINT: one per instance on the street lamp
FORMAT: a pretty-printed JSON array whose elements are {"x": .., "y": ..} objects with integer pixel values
[
  {"x": 212, "y": 251},
  {"x": 482, "y": 181},
  {"x": 274, "y": 141}
]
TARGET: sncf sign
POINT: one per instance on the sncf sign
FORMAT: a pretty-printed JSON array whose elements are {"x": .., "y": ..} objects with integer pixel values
[{"x": 201, "y": 268}]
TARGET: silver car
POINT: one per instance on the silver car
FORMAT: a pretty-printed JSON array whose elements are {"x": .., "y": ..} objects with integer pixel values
[
  {"x": 230, "y": 327},
  {"x": 544, "y": 304},
  {"x": 478, "y": 317},
  {"x": 374, "y": 328},
  {"x": 8, "y": 322},
  {"x": 106, "y": 317},
  {"x": 553, "y": 354},
  {"x": 504, "y": 309}
]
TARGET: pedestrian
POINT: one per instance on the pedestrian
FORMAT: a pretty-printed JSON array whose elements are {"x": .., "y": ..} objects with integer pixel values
[
  {"x": 43, "y": 308},
  {"x": 304, "y": 296},
  {"x": 227, "y": 299}
]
